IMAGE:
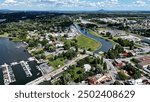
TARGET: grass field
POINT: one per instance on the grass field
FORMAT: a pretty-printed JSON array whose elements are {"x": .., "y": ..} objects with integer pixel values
[
  {"x": 57, "y": 63},
  {"x": 4, "y": 35},
  {"x": 87, "y": 43}
]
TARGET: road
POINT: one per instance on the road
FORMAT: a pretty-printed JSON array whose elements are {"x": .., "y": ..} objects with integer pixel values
[
  {"x": 128, "y": 60},
  {"x": 56, "y": 72},
  {"x": 111, "y": 69}
]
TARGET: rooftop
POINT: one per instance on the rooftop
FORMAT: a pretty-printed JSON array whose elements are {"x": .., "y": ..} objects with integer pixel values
[
  {"x": 98, "y": 79},
  {"x": 144, "y": 60},
  {"x": 45, "y": 68}
]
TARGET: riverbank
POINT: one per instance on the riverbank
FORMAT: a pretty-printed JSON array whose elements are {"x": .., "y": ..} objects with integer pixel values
[
  {"x": 4, "y": 35},
  {"x": 14, "y": 39},
  {"x": 97, "y": 35},
  {"x": 87, "y": 43}
]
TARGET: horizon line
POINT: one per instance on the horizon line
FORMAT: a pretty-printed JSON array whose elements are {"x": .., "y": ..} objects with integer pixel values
[{"x": 68, "y": 10}]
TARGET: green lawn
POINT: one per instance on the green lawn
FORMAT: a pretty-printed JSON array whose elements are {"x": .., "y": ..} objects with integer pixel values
[
  {"x": 93, "y": 33},
  {"x": 16, "y": 40},
  {"x": 87, "y": 43},
  {"x": 4, "y": 35},
  {"x": 58, "y": 62}
]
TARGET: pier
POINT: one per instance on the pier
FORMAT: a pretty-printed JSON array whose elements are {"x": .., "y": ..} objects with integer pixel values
[
  {"x": 26, "y": 68},
  {"x": 8, "y": 74},
  {"x": 24, "y": 65}
]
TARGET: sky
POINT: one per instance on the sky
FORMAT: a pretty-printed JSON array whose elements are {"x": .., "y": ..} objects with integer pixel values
[{"x": 75, "y": 5}]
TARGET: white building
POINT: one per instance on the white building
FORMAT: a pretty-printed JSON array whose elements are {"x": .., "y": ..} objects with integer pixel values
[
  {"x": 59, "y": 45},
  {"x": 45, "y": 69},
  {"x": 87, "y": 67},
  {"x": 144, "y": 62},
  {"x": 147, "y": 40},
  {"x": 135, "y": 82},
  {"x": 131, "y": 38}
]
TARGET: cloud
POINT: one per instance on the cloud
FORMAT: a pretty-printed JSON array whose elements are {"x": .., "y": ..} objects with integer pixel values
[
  {"x": 140, "y": 3},
  {"x": 72, "y": 4},
  {"x": 64, "y": 3},
  {"x": 10, "y": 1}
]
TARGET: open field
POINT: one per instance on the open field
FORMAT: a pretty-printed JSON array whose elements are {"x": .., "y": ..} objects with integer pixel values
[
  {"x": 87, "y": 43},
  {"x": 57, "y": 63}
]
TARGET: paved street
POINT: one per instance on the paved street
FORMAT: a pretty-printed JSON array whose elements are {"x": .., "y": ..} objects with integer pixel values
[
  {"x": 128, "y": 60},
  {"x": 111, "y": 69},
  {"x": 56, "y": 72}
]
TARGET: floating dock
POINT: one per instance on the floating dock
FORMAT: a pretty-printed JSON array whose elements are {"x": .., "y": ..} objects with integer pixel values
[
  {"x": 8, "y": 74},
  {"x": 26, "y": 68}
]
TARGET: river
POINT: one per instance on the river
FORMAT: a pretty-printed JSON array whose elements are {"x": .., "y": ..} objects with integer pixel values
[{"x": 106, "y": 45}]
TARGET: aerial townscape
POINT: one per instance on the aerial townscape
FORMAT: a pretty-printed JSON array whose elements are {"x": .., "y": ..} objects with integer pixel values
[{"x": 99, "y": 47}]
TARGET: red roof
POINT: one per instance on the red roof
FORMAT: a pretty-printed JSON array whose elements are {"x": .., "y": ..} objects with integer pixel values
[{"x": 125, "y": 54}]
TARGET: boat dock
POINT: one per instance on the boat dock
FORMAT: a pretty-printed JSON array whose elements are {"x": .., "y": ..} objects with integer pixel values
[
  {"x": 14, "y": 63},
  {"x": 9, "y": 71},
  {"x": 26, "y": 68},
  {"x": 8, "y": 74}
]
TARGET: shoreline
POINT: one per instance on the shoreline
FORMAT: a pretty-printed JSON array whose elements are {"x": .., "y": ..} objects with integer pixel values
[{"x": 97, "y": 35}]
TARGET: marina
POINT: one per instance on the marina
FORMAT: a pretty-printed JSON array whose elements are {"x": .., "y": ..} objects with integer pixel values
[
  {"x": 17, "y": 67},
  {"x": 19, "y": 73}
]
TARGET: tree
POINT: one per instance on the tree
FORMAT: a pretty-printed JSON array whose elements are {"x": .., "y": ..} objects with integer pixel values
[
  {"x": 77, "y": 49},
  {"x": 70, "y": 54},
  {"x": 65, "y": 35},
  {"x": 66, "y": 78},
  {"x": 43, "y": 56},
  {"x": 137, "y": 74},
  {"x": 87, "y": 59},
  {"x": 110, "y": 54},
  {"x": 67, "y": 45},
  {"x": 119, "y": 48},
  {"x": 105, "y": 66},
  {"x": 98, "y": 69},
  {"x": 117, "y": 83},
  {"x": 131, "y": 45},
  {"x": 44, "y": 42},
  {"x": 101, "y": 61},
  {"x": 108, "y": 34},
  {"x": 84, "y": 51},
  {"x": 122, "y": 76},
  {"x": 80, "y": 63}
]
